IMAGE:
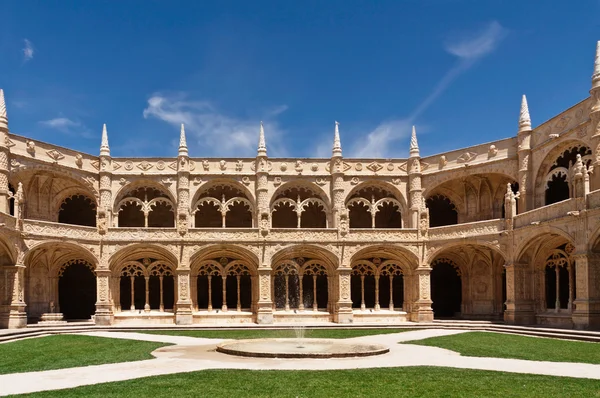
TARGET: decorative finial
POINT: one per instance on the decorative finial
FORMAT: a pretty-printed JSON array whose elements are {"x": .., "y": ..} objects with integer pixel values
[
  {"x": 3, "y": 117},
  {"x": 596, "y": 75},
  {"x": 262, "y": 146},
  {"x": 183, "y": 149},
  {"x": 414, "y": 146},
  {"x": 337, "y": 144},
  {"x": 104, "y": 148},
  {"x": 524, "y": 118}
]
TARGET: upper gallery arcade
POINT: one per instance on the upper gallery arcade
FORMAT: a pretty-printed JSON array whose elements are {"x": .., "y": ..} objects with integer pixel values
[{"x": 505, "y": 230}]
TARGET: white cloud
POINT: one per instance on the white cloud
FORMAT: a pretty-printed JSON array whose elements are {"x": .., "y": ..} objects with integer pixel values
[
  {"x": 60, "y": 123},
  {"x": 209, "y": 128},
  {"x": 377, "y": 144},
  {"x": 475, "y": 45},
  {"x": 27, "y": 50},
  {"x": 468, "y": 49}
]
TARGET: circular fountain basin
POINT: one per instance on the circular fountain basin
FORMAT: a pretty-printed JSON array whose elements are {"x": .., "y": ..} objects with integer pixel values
[{"x": 299, "y": 348}]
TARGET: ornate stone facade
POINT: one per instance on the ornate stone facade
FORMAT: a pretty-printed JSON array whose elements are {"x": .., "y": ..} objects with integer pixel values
[{"x": 508, "y": 230}]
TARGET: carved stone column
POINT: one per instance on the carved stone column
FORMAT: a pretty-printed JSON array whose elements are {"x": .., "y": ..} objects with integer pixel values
[
  {"x": 415, "y": 190},
  {"x": 587, "y": 297},
  {"x": 262, "y": 185},
  {"x": 421, "y": 311},
  {"x": 183, "y": 185},
  {"x": 343, "y": 308},
  {"x": 264, "y": 313},
  {"x": 104, "y": 314},
  {"x": 520, "y": 307},
  {"x": 4, "y": 157},
  {"x": 104, "y": 211},
  {"x": 524, "y": 157},
  {"x": 183, "y": 313},
  {"x": 15, "y": 317},
  {"x": 595, "y": 120}
]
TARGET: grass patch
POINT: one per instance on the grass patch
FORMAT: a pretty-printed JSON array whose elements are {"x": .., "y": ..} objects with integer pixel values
[
  {"x": 67, "y": 351},
  {"x": 499, "y": 345},
  {"x": 282, "y": 333},
  {"x": 390, "y": 382}
]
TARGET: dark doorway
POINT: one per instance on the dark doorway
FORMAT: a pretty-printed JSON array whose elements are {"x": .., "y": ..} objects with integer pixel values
[
  {"x": 446, "y": 290},
  {"x": 77, "y": 292}
]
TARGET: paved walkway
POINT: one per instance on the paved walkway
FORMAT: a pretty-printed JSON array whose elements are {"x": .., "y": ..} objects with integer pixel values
[{"x": 192, "y": 354}]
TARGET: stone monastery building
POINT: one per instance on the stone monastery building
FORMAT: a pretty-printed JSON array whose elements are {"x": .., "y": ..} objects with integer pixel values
[{"x": 505, "y": 230}]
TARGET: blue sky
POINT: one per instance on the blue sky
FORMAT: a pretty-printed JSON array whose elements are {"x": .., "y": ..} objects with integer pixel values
[{"x": 455, "y": 69}]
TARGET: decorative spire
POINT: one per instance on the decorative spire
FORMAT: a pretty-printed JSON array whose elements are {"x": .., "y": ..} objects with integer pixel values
[
  {"x": 524, "y": 118},
  {"x": 262, "y": 146},
  {"x": 596, "y": 75},
  {"x": 183, "y": 149},
  {"x": 414, "y": 146},
  {"x": 104, "y": 148},
  {"x": 337, "y": 144},
  {"x": 3, "y": 117}
]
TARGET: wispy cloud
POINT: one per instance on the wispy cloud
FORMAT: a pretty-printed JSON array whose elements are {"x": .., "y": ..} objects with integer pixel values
[
  {"x": 27, "y": 50},
  {"x": 60, "y": 123},
  {"x": 68, "y": 126},
  {"x": 209, "y": 128},
  {"x": 377, "y": 143},
  {"x": 468, "y": 49}
]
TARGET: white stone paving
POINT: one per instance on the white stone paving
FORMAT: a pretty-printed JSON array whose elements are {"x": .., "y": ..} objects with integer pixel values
[{"x": 192, "y": 354}]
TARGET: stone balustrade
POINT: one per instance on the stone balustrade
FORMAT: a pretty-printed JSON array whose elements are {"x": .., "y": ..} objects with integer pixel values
[
  {"x": 546, "y": 213},
  {"x": 473, "y": 229}
]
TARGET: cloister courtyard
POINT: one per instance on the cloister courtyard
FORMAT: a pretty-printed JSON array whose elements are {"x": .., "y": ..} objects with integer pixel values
[{"x": 423, "y": 362}]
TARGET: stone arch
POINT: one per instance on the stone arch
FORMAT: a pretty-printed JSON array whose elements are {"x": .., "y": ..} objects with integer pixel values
[
  {"x": 77, "y": 209},
  {"x": 223, "y": 181},
  {"x": 442, "y": 211},
  {"x": 145, "y": 204},
  {"x": 223, "y": 203},
  {"x": 382, "y": 278},
  {"x": 548, "y": 234},
  {"x": 302, "y": 279},
  {"x": 136, "y": 251},
  {"x": 60, "y": 273},
  {"x": 376, "y": 204},
  {"x": 467, "y": 280},
  {"x": 224, "y": 277},
  {"x": 548, "y": 163},
  {"x": 551, "y": 284},
  {"x": 46, "y": 188},
  {"x": 476, "y": 197},
  {"x": 300, "y": 204}
]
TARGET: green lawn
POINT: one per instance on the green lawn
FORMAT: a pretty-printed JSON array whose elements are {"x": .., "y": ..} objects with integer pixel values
[
  {"x": 498, "y": 345},
  {"x": 391, "y": 382},
  {"x": 284, "y": 333},
  {"x": 66, "y": 351}
]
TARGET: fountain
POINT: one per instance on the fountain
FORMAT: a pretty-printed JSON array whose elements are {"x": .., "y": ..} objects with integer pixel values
[{"x": 299, "y": 347}]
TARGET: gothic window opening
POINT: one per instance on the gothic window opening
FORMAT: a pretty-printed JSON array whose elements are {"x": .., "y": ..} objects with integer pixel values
[
  {"x": 77, "y": 290},
  {"x": 298, "y": 208},
  {"x": 223, "y": 206},
  {"x": 441, "y": 211},
  {"x": 78, "y": 210},
  {"x": 559, "y": 278},
  {"x": 374, "y": 207},
  {"x": 300, "y": 284},
  {"x": 146, "y": 285},
  {"x": 446, "y": 289},
  {"x": 377, "y": 284},
  {"x": 223, "y": 284},
  {"x": 146, "y": 207},
  {"x": 558, "y": 180}
]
